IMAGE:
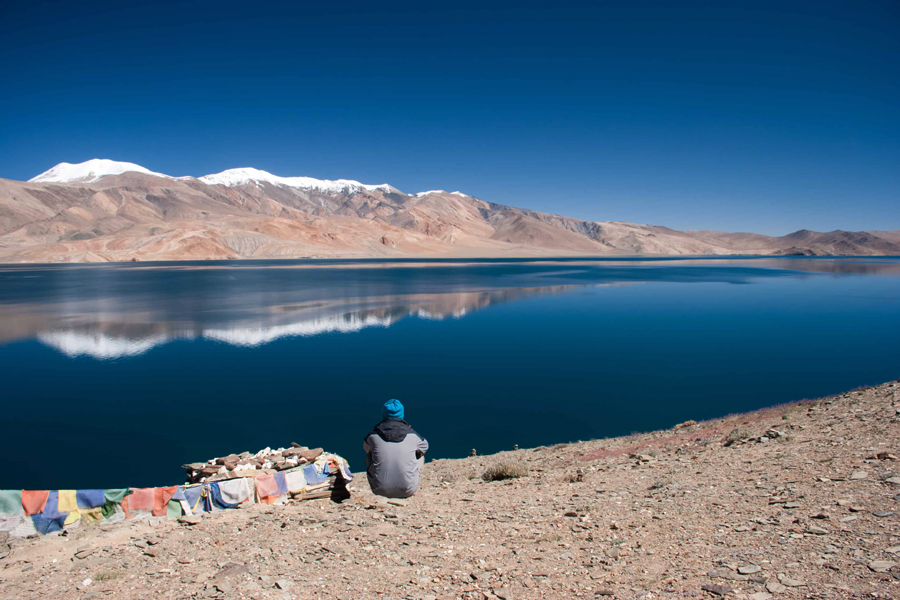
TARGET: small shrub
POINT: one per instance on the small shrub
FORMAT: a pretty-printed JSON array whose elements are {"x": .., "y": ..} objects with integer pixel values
[
  {"x": 575, "y": 477},
  {"x": 736, "y": 435},
  {"x": 507, "y": 470}
]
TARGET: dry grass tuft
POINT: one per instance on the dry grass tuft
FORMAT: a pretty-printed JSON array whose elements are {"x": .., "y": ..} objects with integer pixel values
[{"x": 506, "y": 470}]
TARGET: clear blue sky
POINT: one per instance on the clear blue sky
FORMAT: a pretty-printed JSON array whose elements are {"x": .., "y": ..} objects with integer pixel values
[{"x": 761, "y": 116}]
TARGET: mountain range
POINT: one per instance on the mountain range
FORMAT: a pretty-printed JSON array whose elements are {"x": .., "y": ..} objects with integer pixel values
[{"x": 103, "y": 210}]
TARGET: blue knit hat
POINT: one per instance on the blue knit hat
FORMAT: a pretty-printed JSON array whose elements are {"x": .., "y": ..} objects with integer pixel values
[{"x": 392, "y": 410}]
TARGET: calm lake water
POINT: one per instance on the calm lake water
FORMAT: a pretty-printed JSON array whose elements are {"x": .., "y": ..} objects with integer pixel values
[{"x": 115, "y": 375}]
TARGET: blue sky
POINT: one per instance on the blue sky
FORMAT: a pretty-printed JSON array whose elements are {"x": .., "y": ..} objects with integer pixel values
[{"x": 740, "y": 116}]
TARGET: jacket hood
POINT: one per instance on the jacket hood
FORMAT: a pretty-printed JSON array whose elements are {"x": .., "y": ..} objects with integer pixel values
[{"x": 393, "y": 430}]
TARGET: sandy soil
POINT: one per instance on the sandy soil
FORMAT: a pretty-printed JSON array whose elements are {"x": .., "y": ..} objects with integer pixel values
[{"x": 797, "y": 501}]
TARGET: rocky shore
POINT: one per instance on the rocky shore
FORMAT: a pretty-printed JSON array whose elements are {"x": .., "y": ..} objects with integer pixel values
[{"x": 796, "y": 501}]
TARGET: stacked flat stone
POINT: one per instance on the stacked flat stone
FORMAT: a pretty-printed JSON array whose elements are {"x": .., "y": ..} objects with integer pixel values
[{"x": 245, "y": 464}]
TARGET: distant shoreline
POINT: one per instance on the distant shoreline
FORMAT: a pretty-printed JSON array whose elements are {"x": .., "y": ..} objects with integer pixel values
[{"x": 425, "y": 261}]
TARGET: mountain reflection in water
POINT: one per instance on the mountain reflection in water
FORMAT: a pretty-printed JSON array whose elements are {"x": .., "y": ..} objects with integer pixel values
[
  {"x": 124, "y": 310},
  {"x": 110, "y": 335}
]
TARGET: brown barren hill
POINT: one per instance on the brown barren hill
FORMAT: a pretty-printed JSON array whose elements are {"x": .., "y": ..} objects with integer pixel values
[
  {"x": 796, "y": 501},
  {"x": 108, "y": 211}
]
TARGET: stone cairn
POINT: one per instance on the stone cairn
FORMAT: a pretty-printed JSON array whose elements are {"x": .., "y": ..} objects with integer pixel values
[{"x": 245, "y": 464}]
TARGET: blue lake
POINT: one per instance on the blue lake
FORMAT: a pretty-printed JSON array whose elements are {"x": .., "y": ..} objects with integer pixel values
[{"x": 115, "y": 375}]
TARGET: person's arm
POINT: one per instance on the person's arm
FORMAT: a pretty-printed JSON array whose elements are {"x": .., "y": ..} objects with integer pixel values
[
  {"x": 366, "y": 445},
  {"x": 421, "y": 447}
]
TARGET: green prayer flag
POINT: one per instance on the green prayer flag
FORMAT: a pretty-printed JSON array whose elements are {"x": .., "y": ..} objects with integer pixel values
[
  {"x": 11, "y": 502},
  {"x": 117, "y": 495},
  {"x": 108, "y": 509},
  {"x": 173, "y": 510}
]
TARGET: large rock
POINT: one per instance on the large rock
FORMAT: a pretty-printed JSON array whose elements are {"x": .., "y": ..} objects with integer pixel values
[
  {"x": 718, "y": 590},
  {"x": 311, "y": 454},
  {"x": 191, "y": 519}
]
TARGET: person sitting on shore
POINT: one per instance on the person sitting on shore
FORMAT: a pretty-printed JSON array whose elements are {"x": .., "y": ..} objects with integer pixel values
[{"x": 395, "y": 454}]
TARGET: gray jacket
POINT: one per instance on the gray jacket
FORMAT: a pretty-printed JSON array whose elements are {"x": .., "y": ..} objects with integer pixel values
[{"x": 391, "y": 461}]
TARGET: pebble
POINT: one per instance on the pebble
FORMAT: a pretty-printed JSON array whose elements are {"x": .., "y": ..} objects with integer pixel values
[
  {"x": 230, "y": 570},
  {"x": 817, "y": 530},
  {"x": 857, "y": 475},
  {"x": 761, "y": 596},
  {"x": 881, "y": 566},
  {"x": 718, "y": 590},
  {"x": 790, "y": 582},
  {"x": 883, "y": 514},
  {"x": 725, "y": 574},
  {"x": 224, "y": 587},
  {"x": 775, "y": 587},
  {"x": 749, "y": 569}
]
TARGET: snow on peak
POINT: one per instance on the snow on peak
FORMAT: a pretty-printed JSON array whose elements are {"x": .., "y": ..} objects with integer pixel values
[
  {"x": 246, "y": 175},
  {"x": 445, "y": 192},
  {"x": 89, "y": 171},
  {"x": 92, "y": 170}
]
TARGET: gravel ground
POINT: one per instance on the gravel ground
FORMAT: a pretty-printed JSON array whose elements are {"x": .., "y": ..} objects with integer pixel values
[{"x": 797, "y": 501}]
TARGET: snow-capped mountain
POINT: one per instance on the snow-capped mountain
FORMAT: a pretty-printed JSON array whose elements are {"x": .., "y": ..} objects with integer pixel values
[
  {"x": 248, "y": 175},
  {"x": 92, "y": 170},
  {"x": 89, "y": 171},
  {"x": 440, "y": 192},
  {"x": 100, "y": 210}
]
